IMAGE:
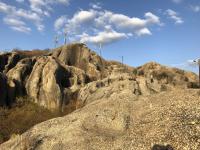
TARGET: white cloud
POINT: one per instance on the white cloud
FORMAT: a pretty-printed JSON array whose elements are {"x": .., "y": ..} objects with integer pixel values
[
  {"x": 16, "y": 24},
  {"x": 19, "y": 1},
  {"x": 104, "y": 26},
  {"x": 13, "y": 21},
  {"x": 79, "y": 20},
  {"x": 14, "y": 15},
  {"x": 177, "y": 1},
  {"x": 60, "y": 22},
  {"x": 174, "y": 16},
  {"x": 195, "y": 8},
  {"x": 83, "y": 16},
  {"x": 21, "y": 29},
  {"x": 32, "y": 16},
  {"x": 44, "y": 6},
  {"x": 6, "y": 8},
  {"x": 104, "y": 37},
  {"x": 35, "y": 13},
  {"x": 143, "y": 31},
  {"x": 96, "y": 5},
  {"x": 121, "y": 21}
]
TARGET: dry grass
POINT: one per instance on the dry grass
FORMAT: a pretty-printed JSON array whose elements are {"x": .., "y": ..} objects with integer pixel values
[
  {"x": 31, "y": 53},
  {"x": 22, "y": 116},
  {"x": 25, "y": 114}
]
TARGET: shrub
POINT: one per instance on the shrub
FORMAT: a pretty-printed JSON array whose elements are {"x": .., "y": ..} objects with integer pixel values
[
  {"x": 135, "y": 71},
  {"x": 193, "y": 85}
]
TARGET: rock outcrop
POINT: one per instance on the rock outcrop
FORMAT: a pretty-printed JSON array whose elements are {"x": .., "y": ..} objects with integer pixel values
[
  {"x": 166, "y": 75},
  {"x": 78, "y": 55},
  {"x": 3, "y": 90},
  {"x": 50, "y": 83},
  {"x": 19, "y": 75},
  {"x": 52, "y": 79},
  {"x": 120, "y": 107}
]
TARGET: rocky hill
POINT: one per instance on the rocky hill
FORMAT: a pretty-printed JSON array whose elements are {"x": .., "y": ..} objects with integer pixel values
[{"x": 118, "y": 107}]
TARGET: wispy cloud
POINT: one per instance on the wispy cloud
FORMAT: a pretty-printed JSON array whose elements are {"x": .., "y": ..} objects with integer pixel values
[
  {"x": 195, "y": 8},
  {"x": 174, "y": 16},
  {"x": 21, "y": 29},
  {"x": 96, "y": 5},
  {"x": 36, "y": 12},
  {"x": 19, "y": 1},
  {"x": 60, "y": 22},
  {"x": 177, "y": 1}
]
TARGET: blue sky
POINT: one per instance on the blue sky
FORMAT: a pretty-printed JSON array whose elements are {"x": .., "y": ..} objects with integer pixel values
[{"x": 165, "y": 31}]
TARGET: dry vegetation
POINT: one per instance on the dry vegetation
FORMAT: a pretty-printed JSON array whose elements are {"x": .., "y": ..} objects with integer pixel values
[
  {"x": 25, "y": 114},
  {"x": 31, "y": 53}
]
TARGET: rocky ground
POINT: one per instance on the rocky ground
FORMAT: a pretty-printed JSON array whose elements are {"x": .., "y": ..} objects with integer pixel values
[
  {"x": 117, "y": 107},
  {"x": 121, "y": 121}
]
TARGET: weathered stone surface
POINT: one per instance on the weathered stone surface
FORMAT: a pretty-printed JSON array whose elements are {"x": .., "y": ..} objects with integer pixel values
[
  {"x": 166, "y": 75},
  {"x": 19, "y": 74},
  {"x": 80, "y": 56},
  {"x": 121, "y": 122},
  {"x": 50, "y": 82},
  {"x": 12, "y": 60},
  {"x": 121, "y": 107},
  {"x": 57, "y": 77},
  {"x": 3, "y": 90},
  {"x": 118, "y": 83},
  {"x": 3, "y": 61}
]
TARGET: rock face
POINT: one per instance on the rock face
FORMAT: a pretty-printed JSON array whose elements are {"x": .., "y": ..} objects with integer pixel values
[
  {"x": 80, "y": 56},
  {"x": 3, "y": 90},
  {"x": 19, "y": 74},
  {"x": 53, "y": 79},
  {"x": 166, "y": 75},
  {"x": 50, "y": 82}
]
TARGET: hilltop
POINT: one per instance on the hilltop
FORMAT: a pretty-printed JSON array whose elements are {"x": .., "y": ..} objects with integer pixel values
[{"x": 115, "y": 106}]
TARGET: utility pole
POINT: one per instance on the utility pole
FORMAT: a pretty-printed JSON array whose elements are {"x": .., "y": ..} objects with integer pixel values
[
  {"x": 56, "y": 41},
  {"x": 198, "y": 63},
  {"x": 123, "y": 64},
  {"x": 65, "y": 37},
  {"x": 122, "y": 60},
  {"x": 100, "y": 47}
]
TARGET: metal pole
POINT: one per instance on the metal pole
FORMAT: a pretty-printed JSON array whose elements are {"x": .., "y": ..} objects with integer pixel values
[
  {"x": 56, "y": 41},
  {"x": 199, "y": 72},
  {"x": 122, "y": 60},
  {"x": 65, "y": 38},
  {"x": 100, "y": 46}
]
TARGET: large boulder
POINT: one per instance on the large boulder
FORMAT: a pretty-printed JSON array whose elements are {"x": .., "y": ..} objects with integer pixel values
[
  {"x": 166, "y": 75},
  {"x": 3, "y": 90},
  {"x": 19, "y": 74},
  {"x": 12, "y": 61},
  {"x": 50, "y": 82},
  {"x": 78, "y": 55},
  {"x": 3, "y": 61}
]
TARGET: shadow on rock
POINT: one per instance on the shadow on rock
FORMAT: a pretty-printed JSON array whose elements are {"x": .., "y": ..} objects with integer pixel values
[{"x": 162, "y": 147}]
